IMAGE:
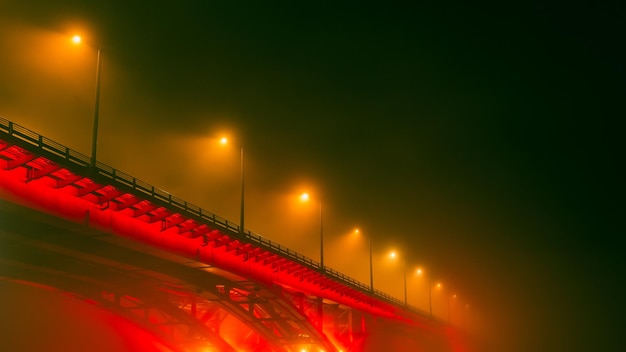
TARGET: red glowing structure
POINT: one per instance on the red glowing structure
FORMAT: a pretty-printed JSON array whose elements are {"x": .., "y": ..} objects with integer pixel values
[{"x": 190, "y": 277}]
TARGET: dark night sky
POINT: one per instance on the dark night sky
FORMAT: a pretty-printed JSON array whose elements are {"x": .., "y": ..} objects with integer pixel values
[{"x": 481, "y": 140}]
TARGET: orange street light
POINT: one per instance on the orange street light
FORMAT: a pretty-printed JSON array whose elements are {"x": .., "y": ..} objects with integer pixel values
[
  {"x": 394, "y": 255},
  {"x": 369, "y": 238},
  {"x": 304, "y": 197},
  {"x": 224, "y": 141},
  {"x": 430, "y": 295},
  {"x": 94, "y": 139},
  {"x": 420, "y": 272},
  {"x": 371, "y": 265}
]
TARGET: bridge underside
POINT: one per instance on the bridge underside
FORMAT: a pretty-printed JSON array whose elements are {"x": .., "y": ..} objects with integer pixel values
[{"x": 185, "y": 303}]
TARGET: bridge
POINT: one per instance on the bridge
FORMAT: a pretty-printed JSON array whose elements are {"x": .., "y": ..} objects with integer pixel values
[{"x": 189, "y": 279}]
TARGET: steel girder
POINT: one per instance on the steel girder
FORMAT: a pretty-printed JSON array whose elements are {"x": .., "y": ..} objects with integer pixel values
[{"x": 190, "y": 301}]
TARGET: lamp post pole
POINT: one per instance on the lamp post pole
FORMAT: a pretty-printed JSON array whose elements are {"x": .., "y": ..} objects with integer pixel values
[
  {"x": 371, "y": 267},
  {"x": 430, "y": 294},
  {"x": 404, "y": 274},
  {"x": 430, "y": 298},
  {"x": 241, "y": 217},
  {"x": 321, "y": 240},
  {"x": 94, "y": 138},
  {"x": 305, "y": 198}
]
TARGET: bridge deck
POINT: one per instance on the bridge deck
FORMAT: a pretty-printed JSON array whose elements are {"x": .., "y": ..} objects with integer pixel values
[{"x": 58, "y": 179}]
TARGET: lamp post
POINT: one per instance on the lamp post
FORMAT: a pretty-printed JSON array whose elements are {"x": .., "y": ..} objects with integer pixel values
[
  {"x": 94, "y": 139},
  {"x": 430, "y": 299},
  {"x": 404, "y": 274},
  {"x": 305, "y": 198},
  {"x": 420, "y": 272},
  {"x": 369, "y": 240},
  {"x": 371, "y": 266},
  {"x": 430, "y": 296},
  {"x": 224, "y": 141},
  {"x": 241, "y": 217},
  {"x": 321, "y": 239},
  {"x": 393, "y": 255}
]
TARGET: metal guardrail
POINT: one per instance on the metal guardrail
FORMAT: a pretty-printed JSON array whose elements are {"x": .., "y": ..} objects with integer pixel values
[{"x": 82, "y": 162}]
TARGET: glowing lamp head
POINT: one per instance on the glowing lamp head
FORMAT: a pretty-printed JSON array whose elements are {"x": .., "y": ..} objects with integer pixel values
[
  {"x": 223, "y": 140},
  {"x": 304, "y": 197},
  {"x": 77, "y": 39},
  {"x": 419, "y": 271},
  {"x": 393, "y": 254}
]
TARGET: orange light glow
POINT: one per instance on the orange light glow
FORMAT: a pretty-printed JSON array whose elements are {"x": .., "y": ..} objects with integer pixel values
[
  {"x": 304, "y": 197},
  {"x": 77, "y": 39},
  {"x": 419, "y": 271},
  {"x": 355, "y": 235},
  {"x": 224, "y": 140},
  {"x": 393, "y": 254}
]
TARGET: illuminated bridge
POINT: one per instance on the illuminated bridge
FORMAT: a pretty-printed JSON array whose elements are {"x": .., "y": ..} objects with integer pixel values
[{"x": 186, "y": 278}]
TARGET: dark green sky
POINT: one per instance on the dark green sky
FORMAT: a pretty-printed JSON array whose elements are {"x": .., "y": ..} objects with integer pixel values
[{"x": 482, "y": 139}]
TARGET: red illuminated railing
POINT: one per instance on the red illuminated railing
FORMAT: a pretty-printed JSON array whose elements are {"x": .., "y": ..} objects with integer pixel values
[{"x": 80, "y": 163}]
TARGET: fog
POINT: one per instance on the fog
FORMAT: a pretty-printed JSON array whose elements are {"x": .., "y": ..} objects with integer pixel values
[{"x": 477, "y": 142}]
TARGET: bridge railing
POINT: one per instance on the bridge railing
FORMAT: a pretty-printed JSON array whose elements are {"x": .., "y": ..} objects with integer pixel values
[
  {"x": 25, "y": 135},
  {"x": 59, "y": 152},
  {"x": 153, "y": 193}
]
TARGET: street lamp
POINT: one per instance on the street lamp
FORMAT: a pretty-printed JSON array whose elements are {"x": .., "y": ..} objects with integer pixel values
[
  {"x": 430, "y": 296},
  {"x": 94, "y": 139},
  {"x": 357, "y": 232},
  {"x": 305, "y": 198},
  {"x": 406, "y": 302},
  {"x": 420, "y": 272},
  {"x": 241, "y": 228},
  {"x": 224, "y": 141},
  {"x": 371, "y": 266},
  {"x": 393, "y": 255}
]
